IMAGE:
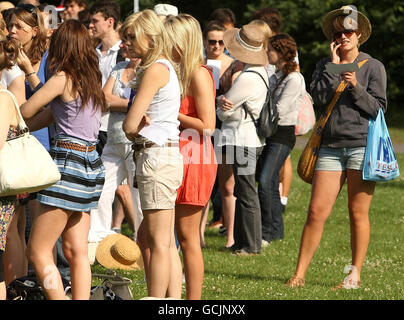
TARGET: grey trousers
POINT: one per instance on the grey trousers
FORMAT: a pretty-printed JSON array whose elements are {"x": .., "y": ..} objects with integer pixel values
[{"x": 247, "y": 219}]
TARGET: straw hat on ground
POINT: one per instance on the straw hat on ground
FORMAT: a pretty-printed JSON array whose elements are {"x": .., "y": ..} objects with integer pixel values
[
  {"x": 358, "y": 19},
  {"x": 246, "y": 44},
  {"x": 119, "y": 252}
]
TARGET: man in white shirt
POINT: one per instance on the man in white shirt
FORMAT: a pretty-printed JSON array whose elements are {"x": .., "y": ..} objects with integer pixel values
[
  {"x": 104, "y": 21},
  {"x": 103, "y": 24}
]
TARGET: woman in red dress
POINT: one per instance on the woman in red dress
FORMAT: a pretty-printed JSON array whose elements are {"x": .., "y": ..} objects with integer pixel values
[{"x": 197, "y": 118}]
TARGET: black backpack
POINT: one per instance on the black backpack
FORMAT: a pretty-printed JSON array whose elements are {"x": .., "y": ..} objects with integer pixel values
[{"x": 267, "y": 123}]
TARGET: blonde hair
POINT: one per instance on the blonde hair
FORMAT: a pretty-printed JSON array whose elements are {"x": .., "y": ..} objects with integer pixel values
[
  {"x": 265, "y": 29},
  {"x": 186, "y": 35},
  {"x": 146, "y": 24}
]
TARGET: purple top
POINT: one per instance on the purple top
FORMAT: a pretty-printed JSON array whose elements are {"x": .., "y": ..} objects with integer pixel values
[{"x": 74, "y": 121}]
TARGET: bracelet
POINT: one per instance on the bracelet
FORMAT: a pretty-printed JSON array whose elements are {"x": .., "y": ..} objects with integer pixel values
[{"x": 30, "y": 74}]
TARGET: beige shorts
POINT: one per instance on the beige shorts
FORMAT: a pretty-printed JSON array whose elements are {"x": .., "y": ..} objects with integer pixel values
[{"x": 158, "y": 175}]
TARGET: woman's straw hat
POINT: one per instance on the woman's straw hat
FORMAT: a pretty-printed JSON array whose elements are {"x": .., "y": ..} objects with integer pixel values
[
  {"x": 355, "y": 18},
  {"x": 246, "y": 44},
  {"x": 119, "y": 252}
]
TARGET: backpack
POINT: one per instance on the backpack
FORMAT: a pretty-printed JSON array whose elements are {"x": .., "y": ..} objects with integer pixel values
[{"x": 267, "y": 122}]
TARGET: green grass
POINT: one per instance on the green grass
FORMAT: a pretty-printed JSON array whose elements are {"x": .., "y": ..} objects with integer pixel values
[{"x": 262, "y": 277}]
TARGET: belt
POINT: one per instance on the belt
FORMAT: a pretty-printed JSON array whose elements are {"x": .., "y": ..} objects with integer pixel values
[
  {"x": 74, "y": 146},
  {"x": 139, "y": 146}
]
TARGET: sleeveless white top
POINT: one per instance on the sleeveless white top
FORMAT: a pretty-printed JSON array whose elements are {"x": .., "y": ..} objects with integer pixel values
[{"x": 165, "y": 105}]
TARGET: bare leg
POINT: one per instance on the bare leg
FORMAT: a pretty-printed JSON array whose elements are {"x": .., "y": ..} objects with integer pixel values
[
  {"x": 174, "y": 289},
  {"x": 14, "y": 255},
  {"x": 226, "y": 187},
  {"x": 326, "y": 187},
  {"x": 117, "y": 213},
  {"x": 46, "y": 229},
  {"x": 125, "y": 196},
  {"x": 144, "y": 249},
  {"x": 360, "y": 194},
  {"x": 159, "y": 229},
  {"x": 202, "y": 227},
  {"x": 187, "y": 222},
  {"x": 286, "y": 178},
  {"x": 75, "y": 249}
]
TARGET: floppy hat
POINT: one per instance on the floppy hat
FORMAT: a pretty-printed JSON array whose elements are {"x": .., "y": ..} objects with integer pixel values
[
  {"x": 246, "y": 44},
  {"x": 119, "y": 252},
  {"x": 365, "y": 28},
  {"x": 165, "y": 9}
]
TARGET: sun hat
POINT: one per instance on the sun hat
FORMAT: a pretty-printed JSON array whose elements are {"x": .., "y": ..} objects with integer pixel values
[
  {"x": 164, "y": 9},
  {"x": 246, "y": 44},
  {"x": 117, "y": 251},
  {"x": 354, "y": 18}
]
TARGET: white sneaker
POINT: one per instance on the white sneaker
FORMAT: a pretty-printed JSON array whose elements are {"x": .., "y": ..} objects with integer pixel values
[{"x": 264, "y": 243}]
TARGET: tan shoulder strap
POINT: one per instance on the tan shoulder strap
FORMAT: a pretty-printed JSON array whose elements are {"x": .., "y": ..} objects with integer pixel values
[
  {"x": 21, "y": 122},
  {"x": 339, "y": 91}
]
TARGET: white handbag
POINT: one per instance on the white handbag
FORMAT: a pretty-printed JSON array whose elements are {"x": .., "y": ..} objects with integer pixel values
[{"x": 25, "y": 165}]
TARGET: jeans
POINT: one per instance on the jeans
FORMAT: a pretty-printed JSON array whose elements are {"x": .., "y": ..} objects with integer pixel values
[
  {"x": 274, "y": 155},
  {"x": 247, "y": 219}
]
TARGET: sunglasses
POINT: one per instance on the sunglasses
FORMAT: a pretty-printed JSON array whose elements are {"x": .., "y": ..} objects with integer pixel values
[
  {"x": 29, "y": 8},
  {"x": 347, "y": 33},
  {"x": 213, "y": 42}
]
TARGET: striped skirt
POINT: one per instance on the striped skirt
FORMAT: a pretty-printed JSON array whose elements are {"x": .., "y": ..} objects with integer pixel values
[{"x": 82, "y": 178}]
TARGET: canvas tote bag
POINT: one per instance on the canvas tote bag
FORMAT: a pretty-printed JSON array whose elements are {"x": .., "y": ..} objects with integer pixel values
[{"x": 25, "y": 165}]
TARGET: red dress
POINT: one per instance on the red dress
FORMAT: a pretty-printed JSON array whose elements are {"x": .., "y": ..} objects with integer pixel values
[{"x": 200, "y": 165}]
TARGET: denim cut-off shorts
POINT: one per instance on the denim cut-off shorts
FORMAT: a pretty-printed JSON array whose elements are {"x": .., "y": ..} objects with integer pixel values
[{"x": 340, "y": 159}]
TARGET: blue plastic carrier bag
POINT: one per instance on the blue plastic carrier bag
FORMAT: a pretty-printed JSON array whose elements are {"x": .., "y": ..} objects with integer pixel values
[{"x": 380, "y": 160}]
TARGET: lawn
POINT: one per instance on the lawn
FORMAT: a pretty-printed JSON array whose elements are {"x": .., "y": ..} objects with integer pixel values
[{"x": 262, "y": 277}]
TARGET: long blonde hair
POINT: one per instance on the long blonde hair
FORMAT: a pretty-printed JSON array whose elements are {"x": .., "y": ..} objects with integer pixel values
[
  {"x": 146, "y": 24},
  {"x": 186, "y": 35}
]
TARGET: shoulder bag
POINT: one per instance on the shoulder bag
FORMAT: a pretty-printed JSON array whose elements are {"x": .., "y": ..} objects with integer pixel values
[{"x": 25, "y": 165}]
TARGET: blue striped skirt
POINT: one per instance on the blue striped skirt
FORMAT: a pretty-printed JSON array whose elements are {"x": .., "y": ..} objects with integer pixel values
[{"x": 82, "y": 178}]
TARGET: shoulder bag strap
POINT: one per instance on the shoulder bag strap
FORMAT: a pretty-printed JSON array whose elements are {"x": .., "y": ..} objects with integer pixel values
[
  {"x": 246, "y": 110},
  {"x": 338, "y": 93},
  {"x": 21, "y": 123}
]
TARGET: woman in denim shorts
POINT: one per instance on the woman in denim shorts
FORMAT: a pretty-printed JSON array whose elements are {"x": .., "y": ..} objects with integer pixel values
[{"x": 344, "y": 139}]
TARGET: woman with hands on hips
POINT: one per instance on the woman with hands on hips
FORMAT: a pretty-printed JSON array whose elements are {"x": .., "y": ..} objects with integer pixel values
[{"x": 344, "y": 138}]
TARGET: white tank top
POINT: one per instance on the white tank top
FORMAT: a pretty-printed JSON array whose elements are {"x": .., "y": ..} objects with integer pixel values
[{"x": 165, "y": 105}]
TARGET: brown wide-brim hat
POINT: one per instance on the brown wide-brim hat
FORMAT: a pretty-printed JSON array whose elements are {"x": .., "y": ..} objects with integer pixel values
[
  {"x": 364, "y": 26},
  {"x": 119, "y": 252},
  {"x": 246, "y": 44}
]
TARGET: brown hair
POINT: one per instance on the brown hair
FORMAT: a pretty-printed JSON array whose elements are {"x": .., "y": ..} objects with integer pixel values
[
  {"x": 71, "y": 51},
  {"x": 8, "y": 54},
  {"x": 108, "y": 9},
  {"x": 214, "y": 25},
  {"x": 224, "y": 15},
  {"x": 271, "y": 16},
  {"x": 38, "y": 45},
  {"x": 286, "y": 47}
]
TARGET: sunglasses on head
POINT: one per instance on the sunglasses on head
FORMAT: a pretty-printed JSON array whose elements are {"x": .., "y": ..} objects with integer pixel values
[
  {"x": 347, "y": 33},
  {"x": 213, "y": 42},
  {"x": 28, "y": 7}
]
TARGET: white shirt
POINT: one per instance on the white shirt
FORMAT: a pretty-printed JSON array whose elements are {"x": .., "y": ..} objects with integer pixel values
[
  {"x": 238, "y": 129},
  {"x": 106, "y": 63},
  {"x": 9, "y": 75},
  {"x": 165, "y": 105}
]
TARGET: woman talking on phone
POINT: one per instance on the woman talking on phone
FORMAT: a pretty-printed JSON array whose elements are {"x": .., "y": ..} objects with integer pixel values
[{"x": 344, "y": 137}]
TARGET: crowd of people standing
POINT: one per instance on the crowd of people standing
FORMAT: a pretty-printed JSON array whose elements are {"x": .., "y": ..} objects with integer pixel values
[{"x": 93, "y": 91}]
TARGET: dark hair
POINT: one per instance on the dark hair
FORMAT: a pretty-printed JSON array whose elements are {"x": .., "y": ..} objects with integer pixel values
[
  {"x": 84, "y": 17},
  {"x": 286, "y": 46},
  {"x": 80, "y": 3},
  {"x": 8, "y": 54},
  {"x": 33, "y": 18},
  {"x": 224, "y": 15},
  {"x": 108, "y": 9},
  {"x": 72, "y": 52},
  {"x": 271, "y": 16},
  {"x": 214, "y": 25},
  {"x": 7, "y": 15}
]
